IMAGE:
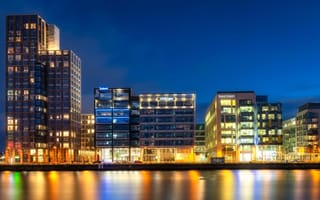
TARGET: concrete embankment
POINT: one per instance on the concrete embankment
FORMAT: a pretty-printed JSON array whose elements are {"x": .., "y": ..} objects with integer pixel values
[{"x": 102, "y": 167}]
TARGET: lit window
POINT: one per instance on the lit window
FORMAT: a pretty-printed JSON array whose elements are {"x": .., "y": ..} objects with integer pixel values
[
  {"x": 270, "y": 116},
  {"x": 65, "y": 133},
  {"x": 66, "y": 116},
  {"x": 33, "y": 26},
  {"x": 225, "y": 102},
  {"x": 26, "y": 26},
  {"x": 10, "y": 50}
]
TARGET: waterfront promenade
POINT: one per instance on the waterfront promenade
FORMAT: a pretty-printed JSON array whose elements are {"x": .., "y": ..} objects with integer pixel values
[{"x": 184, "y": 166}]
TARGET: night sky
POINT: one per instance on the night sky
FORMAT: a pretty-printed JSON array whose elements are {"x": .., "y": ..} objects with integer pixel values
[{"x": 270, "y": 47}]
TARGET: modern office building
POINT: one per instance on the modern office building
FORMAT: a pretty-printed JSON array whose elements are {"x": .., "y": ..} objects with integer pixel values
[
  {"x": 289, "y": 139},
  {"x": 42, "y": 93},
  {"x": 167, "y": 125},
  {"x": 307, "y": 132},
  {"x": 116, "y": 113},
  {"x": 269, "y": 130},
  {"x": 87, "y": 149},
  {"x": 64, "y": 103},
  {"x": 236, "y": 129},
  {"x": 200, "y": 144}
]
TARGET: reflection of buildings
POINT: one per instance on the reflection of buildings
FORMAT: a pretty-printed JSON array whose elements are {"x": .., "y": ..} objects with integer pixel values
[
  {"x": 167, "y": 124},
  {"x": 241, "y": 126},
  {"x": 42, "y": 93},
  {"x": 307, "y": 131},
  {"x": 200, "y": 143},
  {"x": 87, "y": 149},
  {"x": 116, "y": 113}
]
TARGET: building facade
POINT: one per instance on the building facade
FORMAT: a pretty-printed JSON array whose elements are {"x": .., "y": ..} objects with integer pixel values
[
  {"x": 289, "y": 139},
  {"x": 31, "y": 133},
  {"x": 235, "y": 127},
  {"x": 64, "y": 103},
  {"x": 269, "y": 130},
  {"x": 167, "y": 125},
  {"x": 307, "y": 132},
  {"x": 200, "y": 144},
  {"x": 87, "y": 149},
  {"x": 116, "y": 113}
]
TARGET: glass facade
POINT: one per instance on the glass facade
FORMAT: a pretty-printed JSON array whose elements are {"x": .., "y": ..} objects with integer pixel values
[
  {"x": 26, "y": 102},
  {"x": 307, "y": 132},
  {"x": 200, "y": 144},
  {"x": 116, "y": 113},
  {"x": 29, "y": 79},
  {"x": 289, "y": 138},
  {"x": 64, "y": 103},
  {"x": 241, "y": 126},
  {"x": 167, "y": 125},
  {"x": 269, "y": 126}
]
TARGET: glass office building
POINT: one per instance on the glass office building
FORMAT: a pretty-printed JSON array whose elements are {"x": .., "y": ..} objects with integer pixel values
[
  {"x": 31, "y": 125},
  {"x": 64, "y": 103},
  {"x": 289, "y": 139},
  {"x": 308, "y": 132},
  {"x": 269, "y": 130},
  {"x": 116, "y": 113},
  {"x": 241, "y": 126},
  {"x": 167, "y": 125}
]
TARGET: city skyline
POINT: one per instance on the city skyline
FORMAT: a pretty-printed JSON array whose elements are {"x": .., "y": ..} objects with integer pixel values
[{"x": 191, "y": 47}]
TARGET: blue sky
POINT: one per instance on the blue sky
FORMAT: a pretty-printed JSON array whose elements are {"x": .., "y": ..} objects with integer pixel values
[{"x": 271, "y": 47}]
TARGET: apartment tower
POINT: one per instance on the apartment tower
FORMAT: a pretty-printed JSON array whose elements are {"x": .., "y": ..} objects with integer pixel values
[{"x": 43, "y": 88}]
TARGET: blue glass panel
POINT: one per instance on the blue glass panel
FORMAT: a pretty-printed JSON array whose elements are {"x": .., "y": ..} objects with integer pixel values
[
  {"x": 103, "y": 120},
  {"x": 121, "y": 120}
]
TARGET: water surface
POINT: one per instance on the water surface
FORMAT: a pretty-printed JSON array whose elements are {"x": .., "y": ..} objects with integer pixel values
[{"x": 161, "y": 185}]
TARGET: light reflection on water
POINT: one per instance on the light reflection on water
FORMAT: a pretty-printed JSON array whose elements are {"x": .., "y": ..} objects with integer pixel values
[{"x": 162, "y": 185}]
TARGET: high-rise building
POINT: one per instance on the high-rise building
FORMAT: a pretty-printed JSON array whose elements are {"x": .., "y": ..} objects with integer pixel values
[
  {"x": 308, "y": 132},
  {"x": 167, "y": 125},
  {"x": 43, "y": 87},
  {"x": 87, "y": 150},
  {"x": 241, "y": 126},
  {"x": 64, "y": 103},
  {"x": 116, "y": 113}
]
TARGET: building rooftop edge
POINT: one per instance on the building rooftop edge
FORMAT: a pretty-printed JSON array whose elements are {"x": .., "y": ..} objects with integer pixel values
[{"x": 238, "y": 91}]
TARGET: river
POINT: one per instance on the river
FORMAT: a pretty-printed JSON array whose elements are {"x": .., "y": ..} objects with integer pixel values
[{"x": 161, "y": 185}]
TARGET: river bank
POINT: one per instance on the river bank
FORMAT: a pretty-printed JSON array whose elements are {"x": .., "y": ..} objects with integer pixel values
[{"x": 184, "y": 166}]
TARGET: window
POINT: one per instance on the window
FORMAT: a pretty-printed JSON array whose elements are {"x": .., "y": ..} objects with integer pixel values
[
  {"x": 10, "y": 58},
  {"x": 18, "y": 57},
  {"x": 10, "y": 50}
]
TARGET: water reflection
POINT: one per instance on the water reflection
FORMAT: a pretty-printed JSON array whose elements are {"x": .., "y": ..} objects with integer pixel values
[{"x": 162, "y": 185}]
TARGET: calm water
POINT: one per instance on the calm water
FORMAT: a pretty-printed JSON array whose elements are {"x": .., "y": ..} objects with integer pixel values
[{"x": 162, "y": 185}]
